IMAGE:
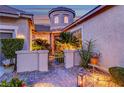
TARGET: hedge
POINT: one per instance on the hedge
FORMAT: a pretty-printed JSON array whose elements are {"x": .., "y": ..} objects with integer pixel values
[
  {"x": 117, "y": 74},
  {"x": 10, "y": 46}
]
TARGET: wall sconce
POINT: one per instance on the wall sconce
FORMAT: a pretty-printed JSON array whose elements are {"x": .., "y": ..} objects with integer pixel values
[{"x": 20, "y": 36}]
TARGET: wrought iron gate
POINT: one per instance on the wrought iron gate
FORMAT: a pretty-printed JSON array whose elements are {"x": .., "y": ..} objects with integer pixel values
[{"x": 56, "y": 59}]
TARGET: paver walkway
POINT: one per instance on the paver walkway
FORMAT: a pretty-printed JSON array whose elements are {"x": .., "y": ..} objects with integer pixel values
[
  {"x": 5, "y": 70},
  {"x": 1, "y": 71},
  {"x": 56, "y": 76}
]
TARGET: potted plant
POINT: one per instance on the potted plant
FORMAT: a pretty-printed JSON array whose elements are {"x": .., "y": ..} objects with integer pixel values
[
  {"x": 86, "y": 53},
  {"x": 95, "y": 58}
]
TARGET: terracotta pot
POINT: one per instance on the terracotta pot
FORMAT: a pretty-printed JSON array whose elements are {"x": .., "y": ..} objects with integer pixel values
[{"x": 94, "y": 60}]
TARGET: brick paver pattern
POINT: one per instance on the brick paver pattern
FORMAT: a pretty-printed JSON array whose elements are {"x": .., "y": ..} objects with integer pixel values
[{"x": 58, "y": 77}]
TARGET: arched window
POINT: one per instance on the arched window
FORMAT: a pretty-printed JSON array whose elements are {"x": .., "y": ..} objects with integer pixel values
[
  {"x": 56, "y": 19},
  {"x": 66, "y": 19}
]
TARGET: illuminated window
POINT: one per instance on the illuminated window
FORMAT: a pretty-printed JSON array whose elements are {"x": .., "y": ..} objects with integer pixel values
[
  {"x": 65, "y": 19},
  {"x": 56, "y": 19},
  {"x": 78, "y": 34}
]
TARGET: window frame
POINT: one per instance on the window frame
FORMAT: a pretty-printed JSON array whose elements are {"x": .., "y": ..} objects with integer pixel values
[
  {"x": 76, "y": 31},
  {"x": 14, "y": 29},
  {"x": 7, "y": 32},
  {"x": 67, "y": 20},
  {"x": 56, "y": 21}
]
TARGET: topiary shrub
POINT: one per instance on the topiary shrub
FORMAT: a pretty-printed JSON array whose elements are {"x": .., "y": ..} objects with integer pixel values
[
  {"x": 117, "y": 74},
  {"x": 10, "y": 46}
]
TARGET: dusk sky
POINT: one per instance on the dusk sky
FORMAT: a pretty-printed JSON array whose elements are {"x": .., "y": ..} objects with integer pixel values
[{"x": 43, "y": 9}]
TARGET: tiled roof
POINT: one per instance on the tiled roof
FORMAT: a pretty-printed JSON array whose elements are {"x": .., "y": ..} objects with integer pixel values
[
  {"x": 62, "y": 9},
  {"x": 10, "y": 10},
  {"x": 40, "y": 28}
]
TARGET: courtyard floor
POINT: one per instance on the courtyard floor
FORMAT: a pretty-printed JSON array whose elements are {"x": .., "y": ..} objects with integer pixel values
[{"x": 56, "y": 76}]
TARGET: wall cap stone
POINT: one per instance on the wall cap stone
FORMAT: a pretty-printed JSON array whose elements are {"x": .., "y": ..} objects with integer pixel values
[
  {"x": 69, "y": 51},
  {"x": 25, "y": 52},
  {"x": 29, "y": 52},
  {"x": 43, "y": 51}
]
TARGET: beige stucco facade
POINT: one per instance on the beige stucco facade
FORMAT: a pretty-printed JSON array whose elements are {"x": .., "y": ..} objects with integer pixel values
[
  {"x": 41, "y": 19},
  {"x": 107, "y": 28},
  {"x": 23, "y": 30}
]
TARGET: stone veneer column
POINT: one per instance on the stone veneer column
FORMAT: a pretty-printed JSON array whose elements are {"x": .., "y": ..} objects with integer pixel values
[
  {"x": 69, "y": 58},
  {"x": 43, "y": 60}
]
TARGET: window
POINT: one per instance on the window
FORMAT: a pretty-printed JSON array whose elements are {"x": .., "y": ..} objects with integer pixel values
[
  {"x": 56, "y": 19},
  {"x": 78, "y": 34},
  {"x": 6, "y": 34},
  {"x": 65, "y": 19},
  {"x": 8, "y": 31}
]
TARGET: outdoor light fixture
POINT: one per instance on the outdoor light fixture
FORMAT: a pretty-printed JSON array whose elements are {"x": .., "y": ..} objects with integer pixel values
[
  {"x": 80, "y": 78},
  {"x": 20, "y": 36}
]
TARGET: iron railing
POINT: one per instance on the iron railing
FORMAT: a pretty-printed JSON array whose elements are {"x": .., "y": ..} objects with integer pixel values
[{"x": 59, "y": 57}]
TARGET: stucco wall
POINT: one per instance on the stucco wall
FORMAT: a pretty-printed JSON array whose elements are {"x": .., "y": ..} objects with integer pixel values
[
  {"x": 107, "y": 29},
  {"x": 23, "y": 28},
  {"x": 41, "y": 19}
]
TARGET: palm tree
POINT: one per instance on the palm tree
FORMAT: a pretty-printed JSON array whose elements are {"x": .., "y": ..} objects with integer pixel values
[
  {"x": 68, "y": 38},
  {"x": 67, "y": 41}
]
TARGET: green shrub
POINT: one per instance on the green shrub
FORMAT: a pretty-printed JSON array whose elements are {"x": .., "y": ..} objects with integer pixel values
[
  {"x": 85, "y": 58},
  {"x": 117, "y": 74},
  {"x": 86, "y": 53},
  {"x": 14, "y": 82},
  {"x": 67, "y": 41},
  {"x": 10, "y": 46},
  {"x": 39, "y": 44}
]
